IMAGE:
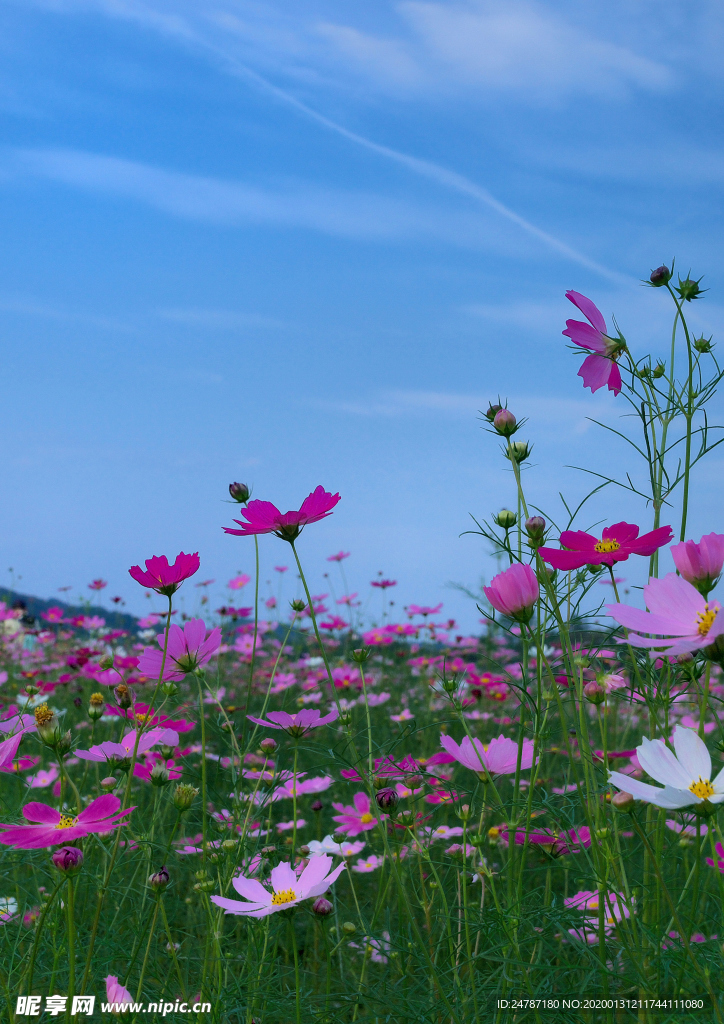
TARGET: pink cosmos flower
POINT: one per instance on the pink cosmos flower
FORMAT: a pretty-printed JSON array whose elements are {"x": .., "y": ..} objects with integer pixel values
[
  {"x": 383, "y": 584},
  {"x": 514, "y": 592},
  {"x": 500, "y": 757},
  {"x": 297, "y": 724},
  {"x": 165, "y": 578},
  {"x": 42, "y": 778},
  {"x": 110, "y": 751},
  {"x": 98, "y": 584},
  {"x": 357, "y": 817},
  {"x": 339, "y": 557},
  {"x": 8, "y": 752},
  {"x": 719, "y": 863},
  {"x": 700, "y": 564},
  {"x": 147, "y": 716},
  {"x": 677, "y": 611},
  {"x": 364, "y": 867},
  {"x": 288, "y": 890},
  {"x": 263, "y": 517},
  {"x": 239, "y": 581},
  {"x": 556, "y": 843},
  {"x": 51, "y": 828},
  {"x": 115, "y": 992},
  {"x": 423, "y": 609},
  {"x": 599, "y": 368},
  {"x": 188, "y": 649},
  {"x": 616, "y": 544}
]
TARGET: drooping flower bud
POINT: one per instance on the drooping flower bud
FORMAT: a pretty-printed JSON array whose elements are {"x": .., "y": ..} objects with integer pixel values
[
  {"x": 660, "y": 276},
  {"x": 322, "y": 907},
  {"x": 505, "y": 519},
  {"x": 183, "y": 796},
  {"x": 505, "y": 422},
  {"x": 514, "y": 592},
  {"x": 239, "y": 492},
  {"x": 124, "y": 696},
  {"x": 387, "y": 799},
  {"x": 700, "y": 564},
  {"x": 68, "y": 859},
  {"x": 159, "y": 879}
]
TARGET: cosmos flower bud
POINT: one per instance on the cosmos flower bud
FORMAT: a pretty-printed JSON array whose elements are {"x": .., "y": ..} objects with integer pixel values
[
  {"x": 387, "y": 799},
  {"x": 68, "y": 859},
  {"x": 159, "y": 879},
  {"x": 505, "y": 422},
  {"x": 297, "y": 605},
  {"x": 703, "y": 344},
  {"x": 317, "y": 806},
  {"x": 493, "y": 410},
  {"x": 689, "y": 290},
  {"x": 413, "y": 781},
  {"x": 660, "y": 276},
  {"x": 322, "y": 907},
  {"x": 106, "y": 663},
  {"x": 349, "y": 928},
  {"x": 623, "y": 802},
  {"x": 64, "y": 742},
  {"x": 518, "y": 451},
  {"x": 184, "y": 795},
  {"x": 505, "y": 519},
  {"x": 658, "y": 371},
  {"x": 476, "y": 840},
  {"x": 31, "y": 689},
  {"x": 95, "y": 706},
  {"x": 159, "y": 775},
  {"x": 268, "y": 745},
  {"x": 304, "y": 851},
  {"x": 535, "y": 527},
  {"x": 464, "y": 812},
  {"x": 361, "y": 655},
  {"x": 594, "y": 693},
  {"x": 108, "y": 784},
  {"x": 239, "y": 492},
  {"x": 123, "y": 695},
  {"x": 170, "y": 689},
  {"x": 166, "y": 751}
]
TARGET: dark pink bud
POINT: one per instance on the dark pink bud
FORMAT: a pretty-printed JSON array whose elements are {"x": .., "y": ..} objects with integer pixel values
[
  {"x": 322, "y": 907},
  {"x": 317, "y": 806},
  {"x": 387, "y": 799},
  {"x": 239, "y": 492},
  {"x": 268, "y": 745},
  {"x": 505, "y": 422},
  {"x": 68, "y": 859},
  {"x": 595, "y": 693},
  {"x": 159, "y": 879}
]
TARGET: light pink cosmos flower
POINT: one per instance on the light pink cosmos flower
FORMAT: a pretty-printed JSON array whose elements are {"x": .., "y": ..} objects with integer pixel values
[
  {"x": 51, "y": 828},
  {"x": 110, "y": 751},
  {"x": 599, "y": 368},
  {"x": 357, "y": 817},
  {"x": 288, "y": 890},
  {"x": 365, "y": 867},
  {"x": 339, "y": 557},
  {"x": 263, "y": 517},
  {"x": 614, "y": 906},
  {"x": 188, "y": 649},
  {"x": 423, "y": 609},
  {"x": 700, "y": 564},
  {"x": 9, "y": 751},
  {"x": 165, "y": 578},
  {"x": 297, "y": 724},
  {"x": 116, "y": 993},
  {"x": 514, "y": 592},
  {"x": 616, "y": 544},
  {"x": 685, "y": 776},
  {"x": 328, "y": 845},
  {"x": 500, "y": 757},
  {"x": 556, "y": 843},
  {"x": 677, "y": 612},
  {"x": 42, "y": 778},
  {"x": 239, "y": 581}
]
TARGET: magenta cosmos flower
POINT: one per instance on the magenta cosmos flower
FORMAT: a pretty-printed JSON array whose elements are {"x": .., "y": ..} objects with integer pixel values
[
  {"x": 287, "y": 889},
  {"x": 116, "y": 993},
  {"x": 263, "y": 517},
  {"x": 357, "y": 817},
  {"x": 600, "y": 368},
  {"x": 616, "y": 544},
  {"x": 110, "y": 751},
  {"x": 499, "y": 757},
  {"x": 297, "y": 724},
  {"x": 514, "y": 592},
  {"x": 51, "y": 828},
  {"x": 700, "y": 564},
  {"x": 188, "y": 649},
  {"x": 556, "y": 843},
  {"x": 678, "y": 614},
  {"x": 165, "y": 578}
]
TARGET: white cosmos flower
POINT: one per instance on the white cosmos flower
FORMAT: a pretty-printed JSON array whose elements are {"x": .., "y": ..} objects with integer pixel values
[{"x": 686, "y": 777}]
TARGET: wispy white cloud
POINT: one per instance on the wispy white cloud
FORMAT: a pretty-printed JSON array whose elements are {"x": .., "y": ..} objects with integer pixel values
[{"x": 220, "y": 319}]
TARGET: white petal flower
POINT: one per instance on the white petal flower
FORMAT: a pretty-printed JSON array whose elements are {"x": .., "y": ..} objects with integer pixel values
[{"x": 685, "y": 776}]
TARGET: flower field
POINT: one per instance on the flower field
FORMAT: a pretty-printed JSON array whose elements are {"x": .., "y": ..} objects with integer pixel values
[{"x": 289, "y": 811}]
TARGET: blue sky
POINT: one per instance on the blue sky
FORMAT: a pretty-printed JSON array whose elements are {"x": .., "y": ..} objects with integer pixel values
[{"x": 305, "y": 243}]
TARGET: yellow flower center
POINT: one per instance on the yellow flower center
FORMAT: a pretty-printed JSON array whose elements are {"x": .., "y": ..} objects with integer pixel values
[
  {"x": 285, "y": 896},
  {"x": 702, "y": 788},
  {"x": 142, "y": 718},
  {"x": 493, "y": 832},
  {"x": 66, "y": 821},
  {"x": 43, "y": 714},
  {"x": 367, "y": 818},
  {"x": 605, "y": 547},
  {"x": 706, "y": 619}
]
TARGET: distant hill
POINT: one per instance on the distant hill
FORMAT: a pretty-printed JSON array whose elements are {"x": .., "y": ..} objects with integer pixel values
[{"x": 35, "y": 606}]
